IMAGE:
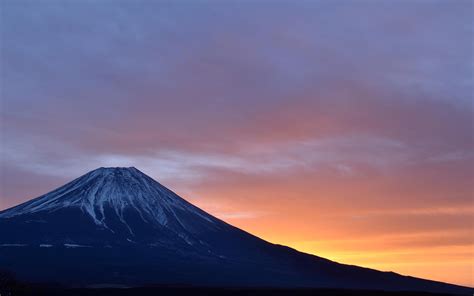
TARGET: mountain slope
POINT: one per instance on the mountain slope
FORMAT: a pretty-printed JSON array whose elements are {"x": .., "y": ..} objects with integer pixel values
[
  {"x": 119, "y": 226},
  {"x": 115, "y": 206}
]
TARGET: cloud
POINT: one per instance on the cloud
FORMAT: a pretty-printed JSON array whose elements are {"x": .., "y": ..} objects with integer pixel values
[{"x": 238, "y": 215}]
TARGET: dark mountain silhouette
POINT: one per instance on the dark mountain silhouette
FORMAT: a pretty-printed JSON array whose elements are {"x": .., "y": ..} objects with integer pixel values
[{"x": 119, "y": 227}]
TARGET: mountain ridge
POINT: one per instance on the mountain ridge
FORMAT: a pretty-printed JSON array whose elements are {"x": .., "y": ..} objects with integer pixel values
[{"x": 139, "y": 232}]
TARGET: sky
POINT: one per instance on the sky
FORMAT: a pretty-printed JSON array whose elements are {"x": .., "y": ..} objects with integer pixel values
[{"x": 340, "y": 128}]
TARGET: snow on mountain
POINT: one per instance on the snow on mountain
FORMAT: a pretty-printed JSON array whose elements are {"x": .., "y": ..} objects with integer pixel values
[{"x": 116, "y": 190}]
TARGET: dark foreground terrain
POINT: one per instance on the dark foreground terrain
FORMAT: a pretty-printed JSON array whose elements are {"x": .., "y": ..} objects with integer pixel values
[
  {"x": 10, "y": 286},
  {"x": 39, "y": 291}
]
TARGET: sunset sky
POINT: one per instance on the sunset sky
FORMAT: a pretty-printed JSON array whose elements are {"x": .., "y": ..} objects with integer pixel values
[{"x": 339, "y": 128}]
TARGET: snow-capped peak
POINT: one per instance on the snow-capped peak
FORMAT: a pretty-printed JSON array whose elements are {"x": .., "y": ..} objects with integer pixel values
[{"x": 114, "y": 190}]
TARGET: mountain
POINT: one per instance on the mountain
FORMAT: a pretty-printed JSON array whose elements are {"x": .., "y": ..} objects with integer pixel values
[{"x": 118, "y": 226}]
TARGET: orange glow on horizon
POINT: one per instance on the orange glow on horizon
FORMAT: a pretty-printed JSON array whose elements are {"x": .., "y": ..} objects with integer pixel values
[
  {"x": 452, "y": 264},
  {"x": 434, "y": 243}
]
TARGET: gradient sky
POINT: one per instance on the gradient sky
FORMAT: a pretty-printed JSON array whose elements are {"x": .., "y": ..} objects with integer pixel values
[{"x": 340, "y": 128}]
